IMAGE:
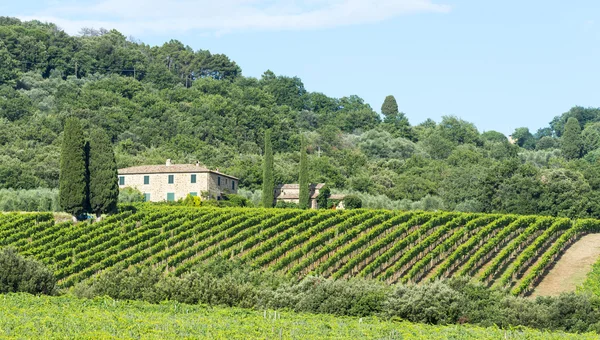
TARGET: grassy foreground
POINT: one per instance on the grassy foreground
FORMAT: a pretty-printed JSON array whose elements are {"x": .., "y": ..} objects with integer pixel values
[{"x": 26, "y": 316}]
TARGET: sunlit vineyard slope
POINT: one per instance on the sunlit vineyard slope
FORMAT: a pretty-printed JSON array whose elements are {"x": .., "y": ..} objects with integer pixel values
[{"x": 503, "y": 250}]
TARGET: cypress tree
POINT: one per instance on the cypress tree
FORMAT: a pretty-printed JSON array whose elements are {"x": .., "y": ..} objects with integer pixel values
[
  {"x": 104, "y": 186},
  {"x": 268, "y": 185},
  {"x": 390, "y": 107},
  {"x": 303, "y": 178},
  {"x": 73, "y": 173},
  {"x": 571, "y": 139}
]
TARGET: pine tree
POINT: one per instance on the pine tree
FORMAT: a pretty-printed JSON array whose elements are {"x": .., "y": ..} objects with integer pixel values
[
  {"x": 390, "y": 107},
  {"x": 73, "y": 173},
  {"x": 303, "y": 178},
  {"x": 268, "y": 186},
  {"x": 571, "y": 143},
  {"x": 103, "y": 175}
]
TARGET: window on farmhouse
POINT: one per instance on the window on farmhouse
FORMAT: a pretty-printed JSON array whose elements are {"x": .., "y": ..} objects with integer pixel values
[
  {"x": 219, "y": 181},
  {"x": 170, "y": 197},
  {"x": 232, "y": 185},
  {"x": 193, "y": 179},
  {"x": 146, "y": 179},
  {"x": 146, "y": 197},
  {"x": 121, "y": 180},
  {"x": 171, "y": 179}
]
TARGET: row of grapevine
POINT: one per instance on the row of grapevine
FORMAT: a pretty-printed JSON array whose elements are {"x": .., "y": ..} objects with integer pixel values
[{"x": 503, "y": 250}]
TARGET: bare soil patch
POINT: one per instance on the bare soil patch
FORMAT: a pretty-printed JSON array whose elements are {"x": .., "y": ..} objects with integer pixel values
[{"x": 572, "y": 267}]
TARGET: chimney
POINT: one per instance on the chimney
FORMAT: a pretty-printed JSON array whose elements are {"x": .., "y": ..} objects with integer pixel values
[
  {"x": 197, "y": 163},
  {"x": 169, "y": 162}
]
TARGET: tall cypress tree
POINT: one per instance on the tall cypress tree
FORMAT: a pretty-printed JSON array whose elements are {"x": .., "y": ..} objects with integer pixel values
[
  {"x": 571, "y": 143},
  {"x": 268, "y": 186},
  {"x": 102, "y": 168},
  {"x": 390, "y": 107},
  {"x": 73, "y": 173},
  {"x": 303, "y": 178}
]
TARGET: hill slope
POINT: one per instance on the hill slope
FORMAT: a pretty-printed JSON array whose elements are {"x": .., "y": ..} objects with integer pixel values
[{"x": 503, "y": 250}]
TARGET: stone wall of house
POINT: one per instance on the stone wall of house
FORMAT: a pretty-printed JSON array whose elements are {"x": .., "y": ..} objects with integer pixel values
[{"x": 182, "y": 185}]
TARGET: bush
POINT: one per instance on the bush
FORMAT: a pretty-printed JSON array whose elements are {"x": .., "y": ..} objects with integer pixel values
[
  {"x": 20, "y": 274},
  {"x": 451, "y": 301},
  {"x": 29, "y": 200},
  {"x": 352, "y": 202},
  {"x": 130, "y": 195},
  {"x": 286, "y": 205},
  {"x": 192, "y": 201},
  {"x": 237, "y": 200}
]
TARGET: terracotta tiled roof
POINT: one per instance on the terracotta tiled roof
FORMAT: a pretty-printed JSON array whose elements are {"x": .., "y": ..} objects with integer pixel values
[
  {"x": 297, "y": 186},
  {"x": 168, "y": 169}
]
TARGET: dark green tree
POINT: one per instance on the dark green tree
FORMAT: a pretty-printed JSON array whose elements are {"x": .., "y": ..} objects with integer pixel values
[
  {"x": 303, "y": 178},
  {"x": 389, "y": 107},
  {"x": 323, "y": 198},
  {"x": 73, "y": 188},
  {"x": 102, "y": 168},
  {"x": 524, "y": 138},
  {"x": 268, "y": 185},
  {"x": 571, "y": 139}
]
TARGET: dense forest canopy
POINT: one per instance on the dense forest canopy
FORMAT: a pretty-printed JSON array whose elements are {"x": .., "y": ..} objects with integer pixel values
[{"x": 169, "y": 101}]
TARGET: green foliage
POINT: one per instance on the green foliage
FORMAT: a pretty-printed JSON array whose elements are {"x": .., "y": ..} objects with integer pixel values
[
  {"x": 173, "y": 102},
  {"x": 103, "y": 177},
  {"x": 571, "y": 144},
  {"x": 60, "y": 317},
  {"x": 268, "y": 186},
  {"x": 323, "y": 198},
  {"x": 192, "y": 201},
  {"x": 352, "y": 202},
  {"x": 73, "y": 189},
  {"x": 130, "y": 195},
  {"x": 19, "y": 274},
  {"x": 29, "y": 200},
  {"x": 524, "y": 138},
  {"x": 389, "y": 108},
  {"x": 238, "y": 200},
  {"x": 304, "y": 194}
]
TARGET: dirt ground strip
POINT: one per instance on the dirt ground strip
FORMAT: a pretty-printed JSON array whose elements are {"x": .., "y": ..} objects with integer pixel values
[{"x": 570, "y": 271}]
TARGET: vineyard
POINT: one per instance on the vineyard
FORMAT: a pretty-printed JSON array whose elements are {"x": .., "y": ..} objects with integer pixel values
[{"x": 507, "y": 251}]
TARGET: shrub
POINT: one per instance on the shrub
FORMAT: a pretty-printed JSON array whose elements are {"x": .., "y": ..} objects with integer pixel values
[
  {"x": 29, "y": 200},
  {"x": 130, "y": 195},
  {"x": 237, "y": 200},
  {"x": 286, "y": 205},
  {"x": 352, "y": 202},
  {"x": 20, "y": 274},
  {"x": 193, "y": 201}
]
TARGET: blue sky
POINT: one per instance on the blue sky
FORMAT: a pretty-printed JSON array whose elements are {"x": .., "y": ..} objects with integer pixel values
[{"x": 499, "y": 64}]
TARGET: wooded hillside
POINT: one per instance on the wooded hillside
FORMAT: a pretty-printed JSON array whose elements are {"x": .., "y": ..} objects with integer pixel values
[{"x": 170, "y": 101}]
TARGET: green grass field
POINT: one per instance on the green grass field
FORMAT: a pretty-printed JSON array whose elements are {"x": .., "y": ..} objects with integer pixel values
[{"x": 25, "y": 316}]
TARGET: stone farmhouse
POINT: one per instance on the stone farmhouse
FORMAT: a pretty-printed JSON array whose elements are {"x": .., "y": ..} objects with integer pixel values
[
  {"x": 171, "y": 182},
  {"x": 290, "y": 193}
]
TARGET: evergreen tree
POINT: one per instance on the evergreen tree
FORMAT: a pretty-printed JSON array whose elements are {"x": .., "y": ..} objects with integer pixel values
[
  {"x": 73, "y": 173},
  {"x": 104, "y": 186},
  {"x": 389, "y": 108},
  {"x": 571, "y": 139},
  {"x": 303, "y": 178},
  {"x": 268, "y": 185}
]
